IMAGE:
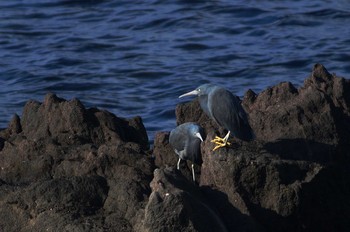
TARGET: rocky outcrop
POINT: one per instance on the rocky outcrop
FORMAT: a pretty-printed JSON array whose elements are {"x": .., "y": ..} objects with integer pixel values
[
  {"x": 295, "y": 176},
  {"x": 67, "y": 168},
  {"x": 178, "y": 205}
]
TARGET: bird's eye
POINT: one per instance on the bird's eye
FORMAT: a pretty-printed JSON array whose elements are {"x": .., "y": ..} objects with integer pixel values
[{"x": 198, "y": 90}]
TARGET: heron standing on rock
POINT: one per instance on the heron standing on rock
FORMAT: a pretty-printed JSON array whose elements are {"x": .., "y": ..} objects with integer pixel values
[
  {"x": 226, "y": 110},
  {"x": 186, "y": 139}
]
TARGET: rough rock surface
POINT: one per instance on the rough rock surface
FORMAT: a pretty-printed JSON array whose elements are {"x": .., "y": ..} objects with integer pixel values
[
  {"x": 296, "y": 175},
  {"x": 178, "y": 205},
  {"x": 67, "y": 168}
]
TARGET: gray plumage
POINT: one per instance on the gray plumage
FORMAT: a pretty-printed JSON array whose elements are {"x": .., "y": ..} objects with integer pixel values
[
  {"x": 225, "y": 109},
  {"x": 186, "y": 139}
]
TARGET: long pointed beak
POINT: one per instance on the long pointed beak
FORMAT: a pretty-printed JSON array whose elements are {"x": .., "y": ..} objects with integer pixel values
[
  {"x": 198, "y": 135},
  {"x": 194, "y": 92}
]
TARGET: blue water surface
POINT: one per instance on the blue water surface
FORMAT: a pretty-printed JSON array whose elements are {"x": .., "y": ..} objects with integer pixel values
[{"x": 136, "y": 57}]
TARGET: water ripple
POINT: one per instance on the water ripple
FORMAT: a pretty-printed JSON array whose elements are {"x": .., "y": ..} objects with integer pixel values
[{"x": 136, "y": 58}]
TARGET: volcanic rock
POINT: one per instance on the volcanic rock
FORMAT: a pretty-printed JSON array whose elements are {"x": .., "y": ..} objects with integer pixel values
[
  {"x": 295, "y": 175},
  {"x": 67, "y": 168},
  {"x": 178, "y": 205}
]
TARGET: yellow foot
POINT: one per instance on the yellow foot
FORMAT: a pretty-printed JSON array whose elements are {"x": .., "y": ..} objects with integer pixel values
[
  {"x": 220, "y": 142},
  {"x": 218, "y": 146}
]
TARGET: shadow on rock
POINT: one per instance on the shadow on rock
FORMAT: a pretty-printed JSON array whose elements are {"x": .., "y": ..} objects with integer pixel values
[
  {"x": 302, "y": 149},
  {"x": 67, "y": 168},
  {"x": 175, "y": 204},
  {"x": 234, "y": 219},
  {"x": 296, "y": 171},
  {"x": 325, "y": 202}
]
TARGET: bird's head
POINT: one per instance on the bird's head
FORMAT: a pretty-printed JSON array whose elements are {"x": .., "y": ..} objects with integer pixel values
[
  {"x": 195, "y": 131},
  {"x": 201, "y": 90}
]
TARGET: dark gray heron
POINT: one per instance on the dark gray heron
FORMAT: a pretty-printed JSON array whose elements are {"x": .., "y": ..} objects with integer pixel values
[
  {"x": 186, "y": 139},
  {"x": 226, "y": 110}
]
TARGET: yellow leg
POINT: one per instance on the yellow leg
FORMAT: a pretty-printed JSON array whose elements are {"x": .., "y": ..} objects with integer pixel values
[{"x": 221, "y": 142}]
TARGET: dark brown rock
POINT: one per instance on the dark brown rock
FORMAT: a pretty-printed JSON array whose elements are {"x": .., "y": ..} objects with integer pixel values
[
  {"x": 13, "y": 128},
  {"x": 175, "y": 204},
  {"x": 50, "y": 204},
  {"x": 53, "y": 204},
  {"x": 162, "y": 150},
  {"x": 257, "y": 184},
  {"x": 56, "y": 118},
  {"x": 67, "y": 168},
  {"x": 282, "y": 181}
]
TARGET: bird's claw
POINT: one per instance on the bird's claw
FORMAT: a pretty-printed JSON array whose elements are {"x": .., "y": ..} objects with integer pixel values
[
  {"x": 220, "y": 142},
  {"x": 217, "y": 140},
  {"x": 218, "y": 146}
]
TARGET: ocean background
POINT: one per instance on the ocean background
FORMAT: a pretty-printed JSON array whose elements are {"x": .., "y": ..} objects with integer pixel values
[{"x": 136, "y": 57}]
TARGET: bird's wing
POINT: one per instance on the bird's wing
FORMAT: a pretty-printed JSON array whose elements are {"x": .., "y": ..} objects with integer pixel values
[
  {"x": 177, "y": 138},
  {"x": 226, "y": 109}
]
